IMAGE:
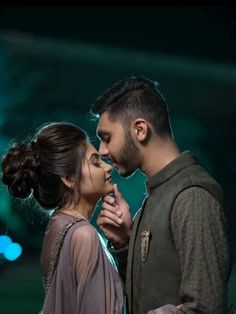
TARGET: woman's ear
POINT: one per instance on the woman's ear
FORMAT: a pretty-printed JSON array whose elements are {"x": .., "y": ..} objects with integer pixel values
[
  {"x": 140, "y": 130},
  {"x": 68, "y": 182}
]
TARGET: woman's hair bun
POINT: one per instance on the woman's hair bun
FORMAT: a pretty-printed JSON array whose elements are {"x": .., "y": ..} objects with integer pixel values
[{"x": 19, "y": 169}]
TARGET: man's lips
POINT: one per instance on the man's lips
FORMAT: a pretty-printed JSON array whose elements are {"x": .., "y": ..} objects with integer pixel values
[
  {"x": 112, "y": 161},
  {"x": 114, "y": 165}
]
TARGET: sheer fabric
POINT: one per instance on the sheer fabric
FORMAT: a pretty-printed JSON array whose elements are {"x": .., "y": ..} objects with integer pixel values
[{"x": 84, "y": 281}]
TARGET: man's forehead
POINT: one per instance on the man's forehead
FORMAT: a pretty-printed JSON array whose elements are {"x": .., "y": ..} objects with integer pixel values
[
  {"x": 107, "y": 126},
  {"x": 103, "y": 123}
]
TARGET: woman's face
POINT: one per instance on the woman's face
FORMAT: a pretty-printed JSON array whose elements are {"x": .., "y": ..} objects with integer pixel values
[{"x": 96, "y": 175}]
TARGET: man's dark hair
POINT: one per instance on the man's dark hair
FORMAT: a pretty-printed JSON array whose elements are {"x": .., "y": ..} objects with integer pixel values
[{"x": 134, "y": 97}]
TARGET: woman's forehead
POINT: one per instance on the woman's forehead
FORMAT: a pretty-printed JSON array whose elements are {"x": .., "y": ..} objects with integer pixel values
[{"x": 90, "y": 149}]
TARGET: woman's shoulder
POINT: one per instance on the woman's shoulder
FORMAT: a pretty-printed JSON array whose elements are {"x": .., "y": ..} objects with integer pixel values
[
  {"x": 84, "y": 233},
  {"x": 84, "y": 240}
]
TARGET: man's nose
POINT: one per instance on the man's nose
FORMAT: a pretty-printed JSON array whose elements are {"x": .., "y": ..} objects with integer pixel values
[{"x": 103, "y": 151}]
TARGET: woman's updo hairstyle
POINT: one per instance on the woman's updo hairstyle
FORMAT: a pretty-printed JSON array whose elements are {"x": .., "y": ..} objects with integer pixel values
[
  {"x": 35, "y": 168},
  {"x": 19, "y": 167}
]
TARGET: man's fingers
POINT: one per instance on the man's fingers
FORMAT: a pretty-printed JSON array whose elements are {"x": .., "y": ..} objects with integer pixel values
[
  {"x": 104, "y": 213},
  {"x": 111, "y": 208},
  {"x": 116, "y": 191},
  {"x": 179, "y": 306},
  {"x": 106, "y": 221},
  {"x": 109, "y": 199}
]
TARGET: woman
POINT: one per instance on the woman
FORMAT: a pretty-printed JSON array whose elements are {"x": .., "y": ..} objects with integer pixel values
[{"x": 63, "y": 171}]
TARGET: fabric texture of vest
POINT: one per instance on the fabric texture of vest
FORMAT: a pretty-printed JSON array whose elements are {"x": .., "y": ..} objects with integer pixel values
[{"x": 153, "y": 270}]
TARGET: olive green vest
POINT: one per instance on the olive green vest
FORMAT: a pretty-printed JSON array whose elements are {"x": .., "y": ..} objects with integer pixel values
[{"x": 153, "y": 270}]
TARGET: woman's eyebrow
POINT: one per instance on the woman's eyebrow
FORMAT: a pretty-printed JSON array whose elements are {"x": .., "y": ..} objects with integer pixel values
[{"x": 94, "y": 155}]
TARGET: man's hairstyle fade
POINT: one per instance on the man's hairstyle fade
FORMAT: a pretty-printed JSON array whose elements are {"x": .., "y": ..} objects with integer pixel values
[{"x": 133, "y": 97}]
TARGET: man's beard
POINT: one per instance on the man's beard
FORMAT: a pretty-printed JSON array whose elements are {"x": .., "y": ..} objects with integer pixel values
[{"x": 128, "y": 156}]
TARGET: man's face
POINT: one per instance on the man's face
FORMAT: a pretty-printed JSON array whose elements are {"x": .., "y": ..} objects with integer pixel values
[{"x": 118, "y": 145}]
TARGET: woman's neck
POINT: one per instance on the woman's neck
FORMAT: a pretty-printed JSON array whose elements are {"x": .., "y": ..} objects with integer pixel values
[{"x": 82, "y": 209}]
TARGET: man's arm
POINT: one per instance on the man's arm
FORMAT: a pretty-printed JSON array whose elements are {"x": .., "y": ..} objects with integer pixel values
[
  {"x": 200, "y": 233},
  {"x": 116, "y": 223},
  {"x": 199, "y": 230}
]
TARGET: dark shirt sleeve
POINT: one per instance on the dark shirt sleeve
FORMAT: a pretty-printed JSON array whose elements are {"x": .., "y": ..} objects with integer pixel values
[
  {"x": 120, "y": 256},
  {"x": 199, "y": 230}
]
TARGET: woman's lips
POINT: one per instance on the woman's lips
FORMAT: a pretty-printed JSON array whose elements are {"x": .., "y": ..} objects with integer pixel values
[{"x": 109, "y": 179}]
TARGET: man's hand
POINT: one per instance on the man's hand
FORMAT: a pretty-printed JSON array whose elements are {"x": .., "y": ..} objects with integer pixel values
[
  {"x": 166, "y": 309},
  {"x": 115, "y": 219}
]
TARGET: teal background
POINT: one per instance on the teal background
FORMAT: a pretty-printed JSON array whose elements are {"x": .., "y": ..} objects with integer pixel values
[{"x": 54, "y": 62}]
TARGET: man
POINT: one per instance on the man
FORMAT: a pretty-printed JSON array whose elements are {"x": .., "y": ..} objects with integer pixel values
[{"x": 179, "y": 257}]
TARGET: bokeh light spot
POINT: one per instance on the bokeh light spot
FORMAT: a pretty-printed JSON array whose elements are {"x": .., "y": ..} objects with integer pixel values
[
  {"x": 4, "y": 242},
  {"x": 13, "y": 251}
]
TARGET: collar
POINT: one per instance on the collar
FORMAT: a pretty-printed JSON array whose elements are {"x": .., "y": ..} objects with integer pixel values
[{"x": 185, "y": 159}]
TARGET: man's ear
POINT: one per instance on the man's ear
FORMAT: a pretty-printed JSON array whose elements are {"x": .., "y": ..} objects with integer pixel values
[
  {"x": 140, "y": 130},
  {"x": 68, "y": 182}
]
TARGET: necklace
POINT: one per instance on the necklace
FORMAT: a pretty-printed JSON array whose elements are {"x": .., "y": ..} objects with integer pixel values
[{"x": 74, "y": 213}]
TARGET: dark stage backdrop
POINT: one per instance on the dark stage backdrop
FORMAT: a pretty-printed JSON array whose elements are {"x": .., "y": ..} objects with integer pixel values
[{"x": 55, "y": 61}]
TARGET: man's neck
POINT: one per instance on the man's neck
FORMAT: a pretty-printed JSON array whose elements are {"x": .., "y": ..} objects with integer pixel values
[{"x": 157, "y": 155}]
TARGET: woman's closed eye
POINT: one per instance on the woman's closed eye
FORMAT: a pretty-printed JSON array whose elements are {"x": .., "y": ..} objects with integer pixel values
[{"x": 95, "y": 160}]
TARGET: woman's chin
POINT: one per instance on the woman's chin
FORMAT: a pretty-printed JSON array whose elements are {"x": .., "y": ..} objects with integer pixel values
[{"x": 109, "y": 190}]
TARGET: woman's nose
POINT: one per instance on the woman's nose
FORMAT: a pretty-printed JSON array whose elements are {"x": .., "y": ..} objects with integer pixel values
[{"x": 108, "y": 167}]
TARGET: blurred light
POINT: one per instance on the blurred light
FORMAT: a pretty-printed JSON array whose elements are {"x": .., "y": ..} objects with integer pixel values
[
  {"x": 13, "y": 251},
  {"x": 4, "y": 242}
]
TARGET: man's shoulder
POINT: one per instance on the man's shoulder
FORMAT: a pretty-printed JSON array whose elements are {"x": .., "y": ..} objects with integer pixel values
[{"x": 196, "y": 175}]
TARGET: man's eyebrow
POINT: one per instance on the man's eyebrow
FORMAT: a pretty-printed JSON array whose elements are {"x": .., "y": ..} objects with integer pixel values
[{"x": 102, "y": 133}]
